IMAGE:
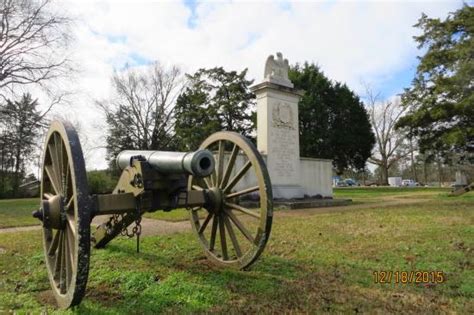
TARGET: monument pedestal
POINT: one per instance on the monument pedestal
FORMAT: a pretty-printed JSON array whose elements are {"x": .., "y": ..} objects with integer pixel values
[{"x": 278, "y": 135}]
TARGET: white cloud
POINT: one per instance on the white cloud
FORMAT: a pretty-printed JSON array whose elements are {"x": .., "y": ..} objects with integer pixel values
[{"x": 351, "y": 41}]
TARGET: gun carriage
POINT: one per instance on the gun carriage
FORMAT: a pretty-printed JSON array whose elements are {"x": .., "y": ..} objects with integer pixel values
[{"x": 207, "y": 182}]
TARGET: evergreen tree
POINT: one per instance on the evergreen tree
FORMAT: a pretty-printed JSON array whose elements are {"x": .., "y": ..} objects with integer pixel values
[
  {"x": 441, "y": 98},
  {"x": 20, "y": 124},
  {"x": 333, "y": 121},
  {"x": 215, "y": 100}
]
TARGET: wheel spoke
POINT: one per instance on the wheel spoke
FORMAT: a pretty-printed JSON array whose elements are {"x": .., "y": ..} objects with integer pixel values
[
  {"x": 242, "y": 209},
  {"x": 57, "y": 265},
  {"x": 71, "y": 224},
  {"x": 242, "y": 192},
  {"x": 62, "y": 272},
  {"x": 238, "y": 176},
  {"x": 205, "y": 223},
  {"x": 71, "y": 245},
  {"x": 241, "y": 227},
  {"x": 220, "y": 164},
  {"x": 196, "y": 187},
  {"x": 53, "y": 179},
  {"x": 59, "y": 156},
  {"x": 233, "y": 238},
  {"x": 69, "y": 203},
  {"x": 207, "y": 182},
  {"x": 222, "y": 234},
  {"x": 213, "y": 179},
  {"x": 69, "y": 257},
  {"x": 54, "y": 244},
  {"x": 66, "y": 185},
  {"x": 213, "y": 234},
  {"x": 55, "y": 166},
  {"x": 230, "y": 166},
  {"x": 48, "y": 196}
]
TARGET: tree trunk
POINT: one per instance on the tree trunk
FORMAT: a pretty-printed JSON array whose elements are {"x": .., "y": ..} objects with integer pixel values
[
  {"x": 384, "y": 174},
  {"x": 439, "y": 173},
  {"x": 413, "y": 165},
  {"x": 425, "y": 172}
]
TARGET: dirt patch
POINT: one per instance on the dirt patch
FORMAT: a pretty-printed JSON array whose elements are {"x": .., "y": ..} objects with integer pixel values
[
  {"x": 152, "y": 226},
  {"x": 47, "y": 298},
  {"x": 20, "y": 229},
  {"x": 104, "y": 294}
]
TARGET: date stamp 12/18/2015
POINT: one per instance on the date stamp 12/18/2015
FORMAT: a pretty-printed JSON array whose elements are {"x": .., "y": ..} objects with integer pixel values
[{"x": 409, "y": 277}]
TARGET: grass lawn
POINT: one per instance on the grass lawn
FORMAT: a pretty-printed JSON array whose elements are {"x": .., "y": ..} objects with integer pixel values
[
  {"x": 376, "y": 194},
  {"x": 172, "y": 216},
  {"x": 17, "y": 212},
  {"x": 314, "y": 263}
]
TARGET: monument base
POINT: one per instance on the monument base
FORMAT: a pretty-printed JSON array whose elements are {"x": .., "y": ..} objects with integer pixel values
[
  {"x": 309, "y": 203},
  {"x": 287, "y": 191}
]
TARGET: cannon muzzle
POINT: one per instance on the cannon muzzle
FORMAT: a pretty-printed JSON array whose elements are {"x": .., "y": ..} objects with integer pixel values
[{"x": 199, "y": 163}]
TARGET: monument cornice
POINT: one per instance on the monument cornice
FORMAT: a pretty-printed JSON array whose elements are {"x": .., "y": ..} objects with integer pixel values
[{"x": 273, "y": 86}]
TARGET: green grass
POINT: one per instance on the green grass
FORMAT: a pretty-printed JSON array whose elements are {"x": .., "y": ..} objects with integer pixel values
[
  {"x": 175, "y": 215},
  {"x": 314, "y": 263},
  {"x": 17, "y": 212},
  {"x": 376, "y": 194}
]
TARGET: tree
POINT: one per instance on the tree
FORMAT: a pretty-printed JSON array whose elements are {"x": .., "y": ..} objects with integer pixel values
[
  {"x": 333, "y": 122},
  {"x": 31, "y": 35},
  {"x": 440, "y": 101},
  {"x": 214, "y": 100},
  {"x": 20, "y": 125},
  {"x": 140, "y": 113},
  {"x": 391, "y": 143}
]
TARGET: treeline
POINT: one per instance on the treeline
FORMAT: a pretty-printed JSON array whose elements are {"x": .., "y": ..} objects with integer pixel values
[{"x": 160, "y": 108}]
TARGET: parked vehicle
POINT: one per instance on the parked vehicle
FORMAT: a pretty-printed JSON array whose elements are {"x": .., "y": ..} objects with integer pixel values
[
  {"x": 351, "y": 182},
  {"x": 409, "y": 183}
]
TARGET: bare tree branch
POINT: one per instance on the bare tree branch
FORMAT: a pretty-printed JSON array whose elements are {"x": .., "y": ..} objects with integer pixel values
[
  {"x": 30, "y": 36},
  {"x": 389, "y": 142},
  {"x": 140, "y": 113}
]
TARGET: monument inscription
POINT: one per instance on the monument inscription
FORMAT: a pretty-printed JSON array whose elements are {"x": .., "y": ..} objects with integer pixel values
[{"x": 283, "y": 133}]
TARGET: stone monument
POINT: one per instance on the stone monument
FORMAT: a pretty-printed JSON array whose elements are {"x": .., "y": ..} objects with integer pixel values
[{"x": 277, "y": 128}]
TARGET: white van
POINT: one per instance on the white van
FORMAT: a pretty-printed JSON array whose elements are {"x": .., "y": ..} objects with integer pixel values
[{"x": 408, "y": 183}]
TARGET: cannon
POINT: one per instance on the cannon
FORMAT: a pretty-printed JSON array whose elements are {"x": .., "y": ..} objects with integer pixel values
[{"x": 232, "y": 222}]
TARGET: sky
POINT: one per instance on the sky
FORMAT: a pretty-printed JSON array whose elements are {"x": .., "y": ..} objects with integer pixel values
[{"x": 356, "y": 42}]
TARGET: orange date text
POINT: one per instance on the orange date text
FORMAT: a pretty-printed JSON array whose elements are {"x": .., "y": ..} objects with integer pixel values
[{"x": 408, "y": 277}]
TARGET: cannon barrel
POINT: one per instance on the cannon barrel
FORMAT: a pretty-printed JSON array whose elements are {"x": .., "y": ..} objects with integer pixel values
[{"x": 199, "y": 163}]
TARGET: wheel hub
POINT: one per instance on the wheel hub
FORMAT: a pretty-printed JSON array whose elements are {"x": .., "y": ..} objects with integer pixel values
[
  {"x": 217, "y": 200},
  {"x": 53, "y": 212}
]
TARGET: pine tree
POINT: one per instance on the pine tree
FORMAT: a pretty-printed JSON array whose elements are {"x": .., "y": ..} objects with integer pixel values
[
  {"x": 441, "y": 99},
  {"x": 20, "y": 123},
  {"x": 333, "y": 121},
  {"x": 215, "y": 100}
]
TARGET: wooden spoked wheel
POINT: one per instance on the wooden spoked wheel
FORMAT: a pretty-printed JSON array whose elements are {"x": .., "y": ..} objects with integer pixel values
[
  {"x": 234, "y": 227},
  {"x": 66, "y": 213}
]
